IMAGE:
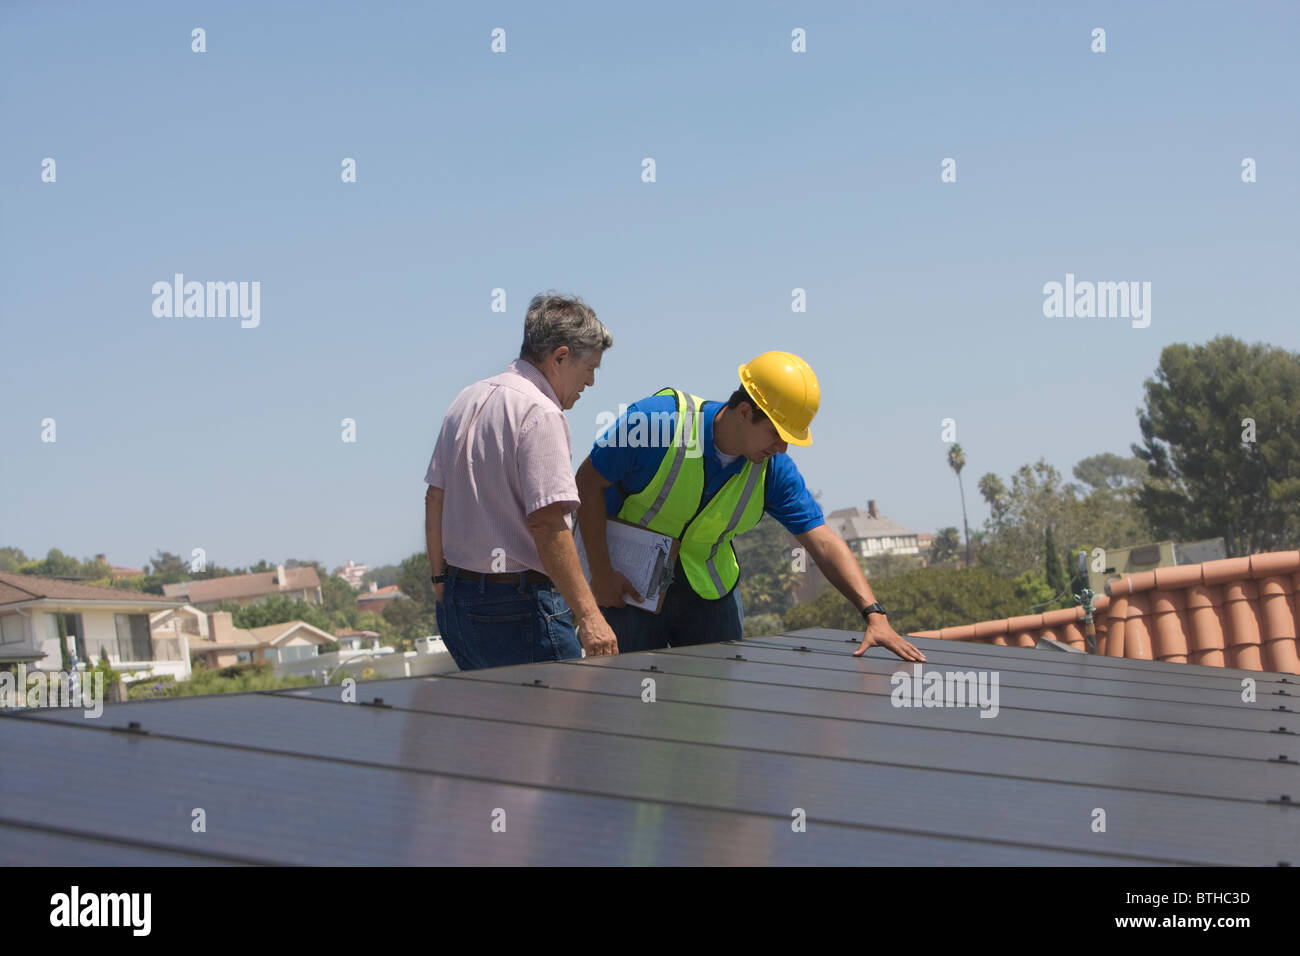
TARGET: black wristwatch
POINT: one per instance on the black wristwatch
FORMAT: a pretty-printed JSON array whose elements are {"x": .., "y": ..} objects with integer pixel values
[
  {"x": 439, "y": 578},
  {"x": 871, "y": 609}
]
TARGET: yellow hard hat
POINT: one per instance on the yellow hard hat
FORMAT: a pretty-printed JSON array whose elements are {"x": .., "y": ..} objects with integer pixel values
[{"x": 785, "y": 389}]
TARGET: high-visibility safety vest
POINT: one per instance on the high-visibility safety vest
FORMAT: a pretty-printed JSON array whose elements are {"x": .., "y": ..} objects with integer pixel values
[{"x": 670, "y": 505}]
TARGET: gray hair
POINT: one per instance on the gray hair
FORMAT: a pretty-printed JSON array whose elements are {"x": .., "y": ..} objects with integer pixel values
[{"x": 554, "y": 320}]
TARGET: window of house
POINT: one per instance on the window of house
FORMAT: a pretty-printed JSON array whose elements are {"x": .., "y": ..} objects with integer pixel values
[
  {"x": 11, "y": 629},
  {"x": 72, "y": 628},
  {"x": 297, "y": 652},
  {"x": 133, "y": 642}
]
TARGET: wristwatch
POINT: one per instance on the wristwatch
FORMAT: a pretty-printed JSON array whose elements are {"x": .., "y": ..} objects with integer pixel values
[
  {"x": 439, "y": 578},
  {"x": 871, "y": 609}
]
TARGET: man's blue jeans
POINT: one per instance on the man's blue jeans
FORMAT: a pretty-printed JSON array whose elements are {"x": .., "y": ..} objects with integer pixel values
[
  {"x": 685, "y": 618},
  {"x": 492, "y": 624}
]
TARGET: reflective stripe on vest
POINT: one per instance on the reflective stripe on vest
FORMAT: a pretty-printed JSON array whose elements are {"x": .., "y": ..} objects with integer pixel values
[
  {"x": 670, "y": 504},
  {"x": 685, "y": 420},
  {"x": 711, "y": 564}
]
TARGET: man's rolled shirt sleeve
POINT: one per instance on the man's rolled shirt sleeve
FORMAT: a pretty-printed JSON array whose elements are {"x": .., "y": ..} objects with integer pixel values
[{"x": 545, "y": 466}]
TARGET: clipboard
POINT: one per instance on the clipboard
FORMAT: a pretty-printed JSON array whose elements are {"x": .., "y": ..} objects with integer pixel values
[{"x": 646, "y": 558}]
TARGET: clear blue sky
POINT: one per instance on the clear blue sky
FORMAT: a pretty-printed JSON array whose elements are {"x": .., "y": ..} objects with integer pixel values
[{"x": 522, "y": 170}]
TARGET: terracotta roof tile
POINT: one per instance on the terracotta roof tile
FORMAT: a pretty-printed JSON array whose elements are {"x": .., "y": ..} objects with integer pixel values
[{"x": 1233, "y": 612}]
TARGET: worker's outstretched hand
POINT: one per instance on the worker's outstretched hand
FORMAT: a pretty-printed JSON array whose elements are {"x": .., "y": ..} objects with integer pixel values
[{"x": 879, "y": 633}]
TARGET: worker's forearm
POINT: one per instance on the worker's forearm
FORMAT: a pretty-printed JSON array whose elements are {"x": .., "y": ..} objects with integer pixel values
[
  {"x": 433, "y": 529},
  {"x": 560, "y": 560},
  {"x": 592, "y": 521},
  {"x": 841, "y": 569}
]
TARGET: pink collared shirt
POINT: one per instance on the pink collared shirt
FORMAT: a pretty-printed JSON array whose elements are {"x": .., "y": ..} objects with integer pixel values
[{"x": 503, "y": 452}]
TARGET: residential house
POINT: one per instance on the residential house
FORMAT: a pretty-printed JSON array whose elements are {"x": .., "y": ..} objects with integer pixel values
[
  {"x": 226, "y": 645},
  {"x": 118, "y": 572},
  {"x": 352, "y": 573},
  {"x": 868, "y": 535},
  {"x": 97, "y": 621},
  {"x": 350, "y": 640},
  {"x": 246, "y": 589},
  {"x": 377, "y": 598}
]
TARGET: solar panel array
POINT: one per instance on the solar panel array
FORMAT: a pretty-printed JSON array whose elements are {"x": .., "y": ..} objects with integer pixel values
[{"x": 774, "y": 750}]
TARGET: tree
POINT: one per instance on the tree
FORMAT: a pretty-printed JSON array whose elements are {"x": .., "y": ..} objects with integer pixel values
[
  {"x": 1034, "y": 592},
  {"x": 1107, "y": 472},
  {"x": 56, "y": 564},
  {"x": 763, "y": 552},
  {"x": 339, "y": 601},
  {"x": 1221, "y": 443},
  {"x": 945, "y": 545},
  {"x": 406, "y": 621},
  {"x": 994, "y": 494},
  {"x": 920, "y": 600},
  {"x": 760, "y": 594},
  {"x": 882, "y": 566},
  {"x": 418, "y": 616},
  {"x": 277, "y": 609},
  {"x": 1055, "y": 573},
  {"x": 382, "y": 576},
  {"x": 11, "y": 559},
  {"x": 1039, "y": 497},
  {"x": 957, "y": 461}
]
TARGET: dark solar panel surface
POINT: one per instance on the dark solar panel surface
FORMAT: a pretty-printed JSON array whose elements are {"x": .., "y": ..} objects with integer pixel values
[{"x": 565, "y": 763}]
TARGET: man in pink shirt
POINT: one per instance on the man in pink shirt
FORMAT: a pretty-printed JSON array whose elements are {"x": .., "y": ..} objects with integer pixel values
[{"x": 506, "y": 577}]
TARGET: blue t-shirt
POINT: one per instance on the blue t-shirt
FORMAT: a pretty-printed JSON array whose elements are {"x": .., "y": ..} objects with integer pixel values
[{"x": 623, "y": 457}]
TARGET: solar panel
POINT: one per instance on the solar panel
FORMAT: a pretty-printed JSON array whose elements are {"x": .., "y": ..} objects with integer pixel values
[{"x": 719, "y": 768}]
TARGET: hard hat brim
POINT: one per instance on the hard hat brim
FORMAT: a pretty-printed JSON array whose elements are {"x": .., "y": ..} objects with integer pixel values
[{"x": 790, "y": 438}]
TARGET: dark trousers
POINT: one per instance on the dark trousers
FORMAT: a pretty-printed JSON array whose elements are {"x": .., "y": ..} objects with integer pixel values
[{"x": 686, "y": 618}]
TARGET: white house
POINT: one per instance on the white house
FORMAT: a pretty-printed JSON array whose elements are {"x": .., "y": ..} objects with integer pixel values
[{"x": 96, "y": 621}]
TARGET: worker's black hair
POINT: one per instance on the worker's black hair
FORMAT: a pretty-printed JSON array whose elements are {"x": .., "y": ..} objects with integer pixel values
[{"x": 740, "y": 395}]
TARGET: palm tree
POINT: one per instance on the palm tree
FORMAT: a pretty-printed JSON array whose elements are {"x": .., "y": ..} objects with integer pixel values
[
  {"x": 957, "y": 461},
  {"x": 995, "y": 494}
]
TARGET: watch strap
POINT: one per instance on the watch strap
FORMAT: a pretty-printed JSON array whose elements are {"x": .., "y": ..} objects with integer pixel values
[{"x": 871, "y": 609}]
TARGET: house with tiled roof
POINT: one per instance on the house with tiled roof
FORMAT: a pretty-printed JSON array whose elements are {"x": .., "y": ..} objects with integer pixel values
[
  {"x": 245, "y": 589},
  {"x": 1234, "y": 612},
  {"x": 353, "y": 640},
  {"x": 117, "y": 571},
  {"x": 226, "y": 645},
  {"x": 35, "y": 612},
  {"x": 377, "y": 598},
  {"x": 870, "y": 534}
]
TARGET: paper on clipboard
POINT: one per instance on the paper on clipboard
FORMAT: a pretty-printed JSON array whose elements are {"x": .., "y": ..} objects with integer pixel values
[{"x": 642, "y": 556}]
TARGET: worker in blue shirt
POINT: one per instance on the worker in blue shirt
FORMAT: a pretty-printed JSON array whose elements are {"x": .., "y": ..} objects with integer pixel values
[{"x": 703, "y": 472}]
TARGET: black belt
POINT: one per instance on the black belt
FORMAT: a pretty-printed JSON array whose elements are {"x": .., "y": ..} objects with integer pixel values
[{"x": 512, "y": 577}]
